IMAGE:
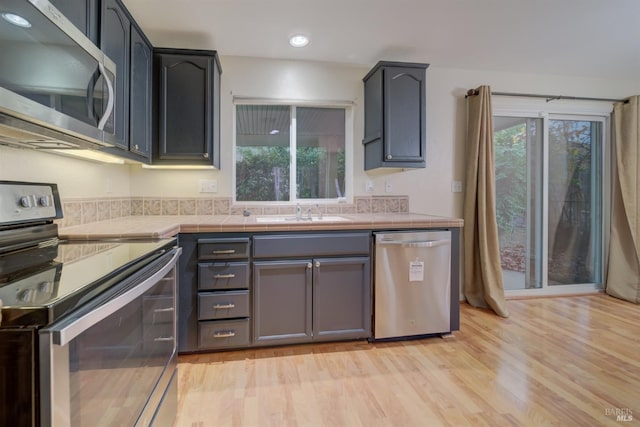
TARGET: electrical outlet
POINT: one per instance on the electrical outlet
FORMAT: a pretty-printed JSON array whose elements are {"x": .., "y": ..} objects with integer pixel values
[
  {"x": 456, "y": 186},
  {"x": 368, "y": 186},
  {"x": 208, "y": 186},
  {"x": 388, "y": 187}
]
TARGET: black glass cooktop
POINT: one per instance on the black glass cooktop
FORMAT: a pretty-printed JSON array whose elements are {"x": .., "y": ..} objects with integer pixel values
[{"x": 40, "y": 285}]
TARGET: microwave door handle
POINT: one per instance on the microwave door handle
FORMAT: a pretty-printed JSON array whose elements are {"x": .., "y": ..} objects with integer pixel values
[
  {"x": 90, "y": 94},
  {"x": 109, "y": 109},
  {"x": 62, "y": 336}
]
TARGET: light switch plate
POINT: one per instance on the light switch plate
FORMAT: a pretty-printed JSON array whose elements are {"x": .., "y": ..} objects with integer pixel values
[
  {"x": 456, "y": 186},
  {"x": 208, "y": 186}
]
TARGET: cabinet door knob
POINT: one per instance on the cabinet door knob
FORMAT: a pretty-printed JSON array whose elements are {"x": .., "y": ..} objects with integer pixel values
[
  {"x": 135, "y": 146},
  {"x": 317, "y": 264},
  {"x": 309, "y": 265},
  {"x": 205, "y": 155},
  {"x": 224, "y": 276},
  {"x": 389, "y": 157}
]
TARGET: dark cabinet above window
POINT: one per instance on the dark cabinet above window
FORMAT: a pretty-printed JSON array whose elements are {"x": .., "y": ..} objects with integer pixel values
[
  {"x": 187, "y": 88},
  {"x": 395, "y": 116}
]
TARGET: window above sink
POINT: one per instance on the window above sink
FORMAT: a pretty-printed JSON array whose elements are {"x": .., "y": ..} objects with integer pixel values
[{"x": 280, "y": 147}]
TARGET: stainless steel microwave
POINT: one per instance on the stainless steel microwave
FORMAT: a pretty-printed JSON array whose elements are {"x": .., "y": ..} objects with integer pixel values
[{"x": 56, "y": 87}]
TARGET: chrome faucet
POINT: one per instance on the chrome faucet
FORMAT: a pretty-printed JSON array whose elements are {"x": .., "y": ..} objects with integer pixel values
[{"x": 298, "y": 212}]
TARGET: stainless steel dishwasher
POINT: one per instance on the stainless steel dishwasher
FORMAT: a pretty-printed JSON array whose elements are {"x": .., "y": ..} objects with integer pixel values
[{"x": 412, "y": 283}]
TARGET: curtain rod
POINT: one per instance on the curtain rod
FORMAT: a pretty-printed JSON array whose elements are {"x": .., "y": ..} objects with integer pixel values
[{"x": 474, "y": 92}]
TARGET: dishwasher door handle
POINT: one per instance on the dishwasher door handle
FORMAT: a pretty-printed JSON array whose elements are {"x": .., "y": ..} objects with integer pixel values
[{"x": 415, "y": 243}]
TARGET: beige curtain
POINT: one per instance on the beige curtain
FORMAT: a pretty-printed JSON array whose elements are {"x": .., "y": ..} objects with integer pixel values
[
  {"x": 623, "y": 279},
  {"x": 483, "y": 285}
]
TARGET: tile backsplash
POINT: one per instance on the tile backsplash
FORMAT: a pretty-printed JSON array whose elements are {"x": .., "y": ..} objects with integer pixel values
[{"x": 85, "y": 211}]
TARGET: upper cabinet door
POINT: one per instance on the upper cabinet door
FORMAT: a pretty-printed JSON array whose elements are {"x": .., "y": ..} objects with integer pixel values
[
  {"x": 404, "y": 115},
  {"x": 82, "y": 13},
  {"x": 141, "y": 94},
  {"x": 395, "y": 116},
  {"x": 115, "y": 39},
  {"x": 188, "y": 84}
]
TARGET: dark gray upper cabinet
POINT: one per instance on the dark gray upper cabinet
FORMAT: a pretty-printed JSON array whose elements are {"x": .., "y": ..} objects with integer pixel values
[
  {"x": 83, "y": 14},
  {"x": 140, "y": 118},
  {"x": 125, "y": 44},
  {"x": 187, "y": 86},
  {"x": 395, "y": 117},
  {"x": 115, "y": 39}
]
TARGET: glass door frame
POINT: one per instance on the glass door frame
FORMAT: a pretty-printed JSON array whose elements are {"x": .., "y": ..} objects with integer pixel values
[{"x": 585, "y": 111}]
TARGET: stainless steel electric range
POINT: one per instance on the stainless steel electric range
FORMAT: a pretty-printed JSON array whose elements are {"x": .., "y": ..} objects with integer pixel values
[{"x": 87, "y": 328}]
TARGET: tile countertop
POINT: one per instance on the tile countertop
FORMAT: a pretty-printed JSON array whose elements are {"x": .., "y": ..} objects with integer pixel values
[{"x": 167, "y": 226}]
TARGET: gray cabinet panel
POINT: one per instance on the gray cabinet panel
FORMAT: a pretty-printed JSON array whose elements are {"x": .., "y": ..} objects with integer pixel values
[
  {"x": 404, "y": 115},
  {"x": 221, "y": 334},
  {"x": 223, "y": 305},
  {"x": 188, "y": 113},
  {"x": 115, "y": 39},
  {"x": 223, "y": 275},
  {"x": 310, "y": 245},
  {"x": 341, "y": 298},
  {"x": 223, "y": 248},
  {"x": 140, "y": 96},
  {"x": 282, "y": 302},
  {"x": 395, "y": 115}
]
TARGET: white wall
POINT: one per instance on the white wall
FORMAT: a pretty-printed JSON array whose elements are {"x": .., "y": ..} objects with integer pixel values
[
  {"x": 75, "y": 178},
  {"x": 429, "y": 189}
]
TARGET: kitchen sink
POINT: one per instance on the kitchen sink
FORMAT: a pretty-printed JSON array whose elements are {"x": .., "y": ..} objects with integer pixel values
[{"x": 304, "y": 218}]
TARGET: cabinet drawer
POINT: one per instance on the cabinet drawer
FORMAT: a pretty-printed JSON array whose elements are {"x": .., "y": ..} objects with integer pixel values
[
  {"x": 311, "y": 245},
  {"x": 229, "y": 248},
  {"x": 223, "y": 333},
  {"x": 223, "y": 275},
  {"x": 223, "y": 305}
]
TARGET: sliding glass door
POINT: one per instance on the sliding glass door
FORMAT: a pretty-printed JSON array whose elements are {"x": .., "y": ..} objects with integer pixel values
[{"x": 549, "y": 200}]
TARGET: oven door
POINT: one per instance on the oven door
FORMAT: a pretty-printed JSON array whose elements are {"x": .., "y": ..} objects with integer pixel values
[{"x": 113, "y": 363}]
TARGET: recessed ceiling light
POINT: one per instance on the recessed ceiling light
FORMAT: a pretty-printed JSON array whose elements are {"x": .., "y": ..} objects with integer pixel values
[
  {"x": 299, "y": 40},
  {"x": 14, "y": 19}
]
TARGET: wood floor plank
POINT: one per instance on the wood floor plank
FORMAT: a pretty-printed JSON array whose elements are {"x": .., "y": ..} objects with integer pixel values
[{"x": 571, "y": 361}]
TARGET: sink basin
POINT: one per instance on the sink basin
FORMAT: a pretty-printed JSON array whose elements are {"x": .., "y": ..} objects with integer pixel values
[{"x": 304, "y": 219}]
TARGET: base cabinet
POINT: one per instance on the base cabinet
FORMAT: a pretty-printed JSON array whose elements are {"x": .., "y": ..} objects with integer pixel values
[
  {"x": 311, "y": 300},
  {"x": 282, "y": 301},
  {"x": 341, "y": 298},
  {"x": 325, "y": 294}
]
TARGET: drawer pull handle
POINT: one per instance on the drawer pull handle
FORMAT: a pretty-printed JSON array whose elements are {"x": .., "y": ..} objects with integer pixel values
[
  {"x": 224, "y": 334},
  {"x": 223, "y": 306},
  {"x": 163, "y": 339},
  {"x": 163, "y": 310},
  {"x": 223, "y": 251},
  {"x": 224, "y": 276}
]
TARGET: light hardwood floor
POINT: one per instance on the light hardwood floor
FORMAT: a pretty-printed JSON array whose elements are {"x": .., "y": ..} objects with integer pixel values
[{"x": 571, "y": 361}]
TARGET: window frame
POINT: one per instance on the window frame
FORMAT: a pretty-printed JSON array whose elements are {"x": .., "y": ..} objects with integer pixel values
[
  {"x": 565, "y": 110},
  {"x": 347, "y": 106}
]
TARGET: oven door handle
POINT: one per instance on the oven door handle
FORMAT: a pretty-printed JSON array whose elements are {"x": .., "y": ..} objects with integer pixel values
[{"x": 68, "y": 332}]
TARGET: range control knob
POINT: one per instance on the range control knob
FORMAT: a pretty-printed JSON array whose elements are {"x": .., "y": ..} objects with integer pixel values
[
  {"x": 26, "y": 295},
  {"x": 43, "y": 201},
  {"x": 25, "y": 201}
]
